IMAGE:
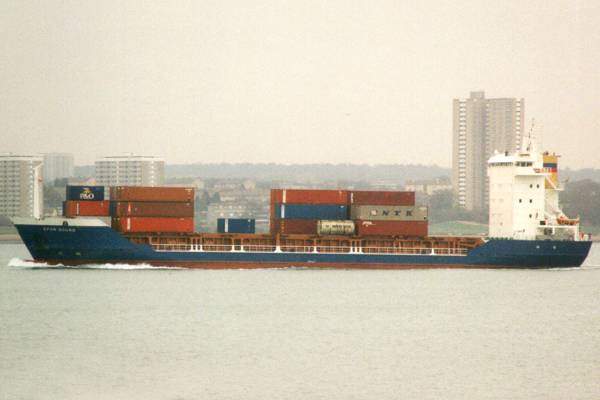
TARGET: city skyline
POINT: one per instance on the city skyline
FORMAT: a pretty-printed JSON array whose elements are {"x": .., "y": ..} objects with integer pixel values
[{"x": 300, "y": 83}]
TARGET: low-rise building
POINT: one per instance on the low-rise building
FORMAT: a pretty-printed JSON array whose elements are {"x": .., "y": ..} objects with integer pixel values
[
  {"x": 428, "y": 187},
  {"x": 225, "y": 210}
]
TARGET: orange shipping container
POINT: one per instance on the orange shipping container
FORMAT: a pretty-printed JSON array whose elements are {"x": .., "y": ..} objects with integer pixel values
[
  {"x": 294, "y": 226},
  {"x": 151, "y": 209},
  {"x": 392, "y": 228},
  {"x": 382, "y": 198},
  {"x": 309, "y": 196},
  {"x": 86, "y": 208},
  {"x": 151, "y": 193},
  {"x": 153, "y": 224}
]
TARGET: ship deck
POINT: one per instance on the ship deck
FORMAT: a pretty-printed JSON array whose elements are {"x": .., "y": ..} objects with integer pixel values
[{"x": 257, "y": 243}]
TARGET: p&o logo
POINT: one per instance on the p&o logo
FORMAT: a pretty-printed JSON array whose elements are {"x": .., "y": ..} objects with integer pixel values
[{"x": 87, "y": 194}]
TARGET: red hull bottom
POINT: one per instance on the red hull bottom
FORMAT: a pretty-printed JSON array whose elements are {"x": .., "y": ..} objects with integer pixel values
[{"x": 270, "y": 265}]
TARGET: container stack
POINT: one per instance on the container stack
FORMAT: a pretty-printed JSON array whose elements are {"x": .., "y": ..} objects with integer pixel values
[
  {"x": 339, "y": 212},
  {"x": 85, "y": 201},
  {"x": 298, "y": 211},
  {"x": 236, "y": 225},
  {"x": 387, "y": 214},
  {"x": 141, "y": 209}
]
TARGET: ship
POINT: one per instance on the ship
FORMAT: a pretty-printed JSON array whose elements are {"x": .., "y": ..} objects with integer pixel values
[{"x": 527, "y": 229}]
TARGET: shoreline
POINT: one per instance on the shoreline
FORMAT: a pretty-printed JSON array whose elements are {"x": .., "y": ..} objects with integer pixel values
[{"x": 10, "y": 238}]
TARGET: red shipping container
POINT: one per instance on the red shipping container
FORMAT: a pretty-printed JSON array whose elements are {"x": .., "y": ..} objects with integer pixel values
[
  {"x": 86, "y": 208},
  {"x": 153, "y": 224},
  {"x": 151, "y": 209},
  {"x": 392, "y": 228},
  {"x": 294, "y": 226},
  {"x": 151, "y": 193},
  {"x": 309, "y": 196},
  {"x": 382, "y": 198}
]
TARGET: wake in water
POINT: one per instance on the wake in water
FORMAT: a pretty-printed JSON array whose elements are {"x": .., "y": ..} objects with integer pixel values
[
  {"x": 19, "y": 263},
  {"x": 586, "y": 267}
]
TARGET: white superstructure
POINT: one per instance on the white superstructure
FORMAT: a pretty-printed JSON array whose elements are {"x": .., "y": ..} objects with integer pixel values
[{"x": 524, "y": 190}]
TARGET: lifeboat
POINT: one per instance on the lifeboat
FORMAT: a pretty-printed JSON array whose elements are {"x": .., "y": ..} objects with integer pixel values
[{"x": 562, "y": 220}]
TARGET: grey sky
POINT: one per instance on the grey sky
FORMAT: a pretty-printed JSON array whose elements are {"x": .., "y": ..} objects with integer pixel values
[{"x": 297, "y": 81}]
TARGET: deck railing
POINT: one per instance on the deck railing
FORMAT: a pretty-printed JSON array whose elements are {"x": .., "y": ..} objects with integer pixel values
[{"x": 309, "y": 249}]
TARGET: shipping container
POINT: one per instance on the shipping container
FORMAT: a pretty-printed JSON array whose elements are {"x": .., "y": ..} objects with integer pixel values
[
  {"x": 236, "y": 225},
  {"x": 311, "y": 211},
  {"x": 294, "y": 226},
  {"x": 388, "y": 213},
  {"x": 392, "y": 228},
  {"x": 335, "y": 227},
  {"x": 151, "y": 209},
  {"x": 85, "y": 193},
  {"x": 382, "y": 198},
  {"x": 153, "y": 224},
  {"x": 309, "y": 196},
  {"x": 86, "y": 208},
  {"x": 152, "y": 193}
]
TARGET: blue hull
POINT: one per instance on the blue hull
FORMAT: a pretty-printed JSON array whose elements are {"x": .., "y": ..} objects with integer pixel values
[{"x": 84, "y": 245}]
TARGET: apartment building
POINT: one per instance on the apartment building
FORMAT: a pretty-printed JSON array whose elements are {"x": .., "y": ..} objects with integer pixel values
[
  {"x": 480, "y": 127},
  {"x": 21, "y": 185},
  {"x": 130, "y": 170}
]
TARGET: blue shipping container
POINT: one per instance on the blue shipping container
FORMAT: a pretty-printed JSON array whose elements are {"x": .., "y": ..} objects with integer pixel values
[
  {"x": 236, "y": 225},
  {"x": 85, "y": 193},
  {"x": 311, "y": 211}
]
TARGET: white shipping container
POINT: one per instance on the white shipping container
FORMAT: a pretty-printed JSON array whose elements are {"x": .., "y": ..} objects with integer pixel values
[{"x": 330, "y": 227}]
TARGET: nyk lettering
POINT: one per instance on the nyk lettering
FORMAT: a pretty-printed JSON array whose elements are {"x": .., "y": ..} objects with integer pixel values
[{"x": 396, "y": 213}]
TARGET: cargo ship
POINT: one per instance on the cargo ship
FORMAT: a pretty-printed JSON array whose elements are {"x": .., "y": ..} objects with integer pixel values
[{"x": 343, "y": 229}]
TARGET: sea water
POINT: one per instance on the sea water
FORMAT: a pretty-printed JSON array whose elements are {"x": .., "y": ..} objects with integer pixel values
[{"x": 122, "y": 332}]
